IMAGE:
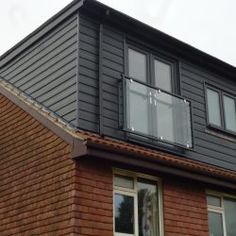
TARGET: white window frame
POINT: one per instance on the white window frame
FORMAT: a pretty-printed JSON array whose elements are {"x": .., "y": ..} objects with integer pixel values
[
  {"x": 133, "y": 193},
  {"x": 220, "y": 209}
]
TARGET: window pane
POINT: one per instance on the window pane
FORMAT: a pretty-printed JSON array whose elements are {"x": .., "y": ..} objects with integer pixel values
[
  {"x": 137, "y": 107},
  {"x": 215, "y": 224},
  {"x": 137, "y": 65},
  {"x": 123, "y": 181},
  {"x": 163, "y": 75},
  {"x": 230, "y": 113},
  {"x": 124, "y": 214},
  {"x": 213, "y": 103},
  {"x": 147, "y": 208},
  {"x": 214, "y": 201},
  {"x": 230, "y": 216}
]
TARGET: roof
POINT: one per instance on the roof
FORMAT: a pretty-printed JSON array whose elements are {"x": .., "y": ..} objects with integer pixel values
[
  {"x": 127, "y": 23},
  {"x": 83, "y": 143},
  {"x": 166, "y": 158}
]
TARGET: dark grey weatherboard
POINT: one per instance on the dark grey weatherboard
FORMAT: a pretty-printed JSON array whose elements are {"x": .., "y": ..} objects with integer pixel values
[
  {"x": 209, "y": 146},
  {"x": 88, "y": 74},
  {"x": 46, "y": 66},
  {"x": 47, "y": 69}
]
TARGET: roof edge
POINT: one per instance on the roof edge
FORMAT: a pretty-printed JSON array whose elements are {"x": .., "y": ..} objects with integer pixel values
[
  {"x": 153, "y": 165},
  {"x": 114, "y": 150},
  {"x": 38, "y": 112},
  {"x": 40, "y": 31},
  {"x": 197, "y": 56}
]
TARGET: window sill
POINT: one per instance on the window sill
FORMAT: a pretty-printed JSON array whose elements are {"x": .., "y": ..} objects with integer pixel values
[{"x": 221, "y": 133}]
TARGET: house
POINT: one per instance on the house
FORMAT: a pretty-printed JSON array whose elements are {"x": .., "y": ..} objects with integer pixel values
[{"x": 110, "y": 127}]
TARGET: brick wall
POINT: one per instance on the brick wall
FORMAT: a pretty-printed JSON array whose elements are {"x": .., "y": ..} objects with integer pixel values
[
  {"x": 43, "y": 192},
  {"x": 36, "y": 177},
  {"x": 94, "y": 198},
  {"x": 185, "y": 209}
]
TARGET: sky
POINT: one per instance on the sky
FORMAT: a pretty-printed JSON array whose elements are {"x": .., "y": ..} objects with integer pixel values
[{"x": 209, "y": 25}]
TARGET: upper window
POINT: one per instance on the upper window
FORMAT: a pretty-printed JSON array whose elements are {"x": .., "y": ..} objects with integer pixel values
[
  {"x": 221, "y": 109},
  {"x": 152, "y": 108},
  {"x": 221, "y": 215},
  {"x": 136, "y": 205},
  {"x": 138, "y": 65},
  {"x": 163, "y": 75}
]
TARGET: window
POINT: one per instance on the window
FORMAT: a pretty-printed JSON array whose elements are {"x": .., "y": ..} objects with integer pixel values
[
  {"x": 151, "y": 107},
  {"x": 221, "y": 215},
  {"x": 221, "y": 109},
  {"x": 137, "y": 209}
]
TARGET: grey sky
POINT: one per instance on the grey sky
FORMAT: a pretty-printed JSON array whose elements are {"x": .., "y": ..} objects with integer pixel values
[{"x": 209, "y": 25}]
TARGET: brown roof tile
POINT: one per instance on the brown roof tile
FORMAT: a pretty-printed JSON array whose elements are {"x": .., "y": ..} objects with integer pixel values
[{"x": 168, "y": 159}]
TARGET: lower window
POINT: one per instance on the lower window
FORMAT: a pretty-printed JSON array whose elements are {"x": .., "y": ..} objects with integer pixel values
[
  {"x": 137, "y": 209},
  {"x": 221, "y": 215}
]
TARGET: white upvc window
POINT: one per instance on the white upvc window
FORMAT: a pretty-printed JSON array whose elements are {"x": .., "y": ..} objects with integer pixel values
[
  {"x": 137, "y": 205},
  {"x": 221, "y": 214}
]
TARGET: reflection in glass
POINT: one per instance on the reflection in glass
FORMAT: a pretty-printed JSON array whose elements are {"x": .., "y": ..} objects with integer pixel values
[
  {"x": 214, "y": 201},
  {"x": 173, "y": 119},
  {"x": 124, "y": 214},
  {"x": 164, "y": 114},
  {"x": 213, "y": 103},
  {"x": 163, "y": 75},
  {"x": 158, "y": 114},
  {"x": 215, "y": 224},
  {"x": 137, "y": 107},
  {"x": 230, "y": 216},
  {"x": 137, "y": 65},
  {"x": 124, "y": 181},
  {"x": 230, "y": 113},
  {"x": 147, "y": 208}
]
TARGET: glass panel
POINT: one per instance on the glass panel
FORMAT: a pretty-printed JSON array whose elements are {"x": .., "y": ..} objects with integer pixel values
[
  {"x": 137, "y": 65},
  {"x": 163, "y": 75},
  {"x": 164, "y": 114},
  {"x": 213, "y": 103},
  {"x": 214, "y": 201},
  {"x": 230, "y": 113},
  {"x": 147, "y": 208},
  {"x": 155, "y": 113},
  {"x": 124, "y": 214},
  {"x": 123, "y": 181},
  {"x": 137, "y": 107},
  {"x": 173, "y": 122},
  {"x": 215, "y": 224},
  {"x": 230, "y": 216}
]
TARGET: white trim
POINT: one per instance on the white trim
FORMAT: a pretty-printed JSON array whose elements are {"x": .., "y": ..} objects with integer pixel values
[
  {"x": 221, "y": 209},
  {"x": 220, "y": 194},
  {"x": 133, "y": 192}
]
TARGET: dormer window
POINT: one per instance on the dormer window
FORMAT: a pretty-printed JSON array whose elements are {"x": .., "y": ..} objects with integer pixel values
[
  {"x": 152, "y": 109},
  {"x": 221, "y": 109}
]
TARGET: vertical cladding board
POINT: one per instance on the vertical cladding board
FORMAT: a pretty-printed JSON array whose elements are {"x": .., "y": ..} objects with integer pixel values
[
  {"x": 112, "y": 68},
  {"x": 209, "y": 146},
  {"x": 46, "y": 70},
  {"x": 88, "y": 74}
]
